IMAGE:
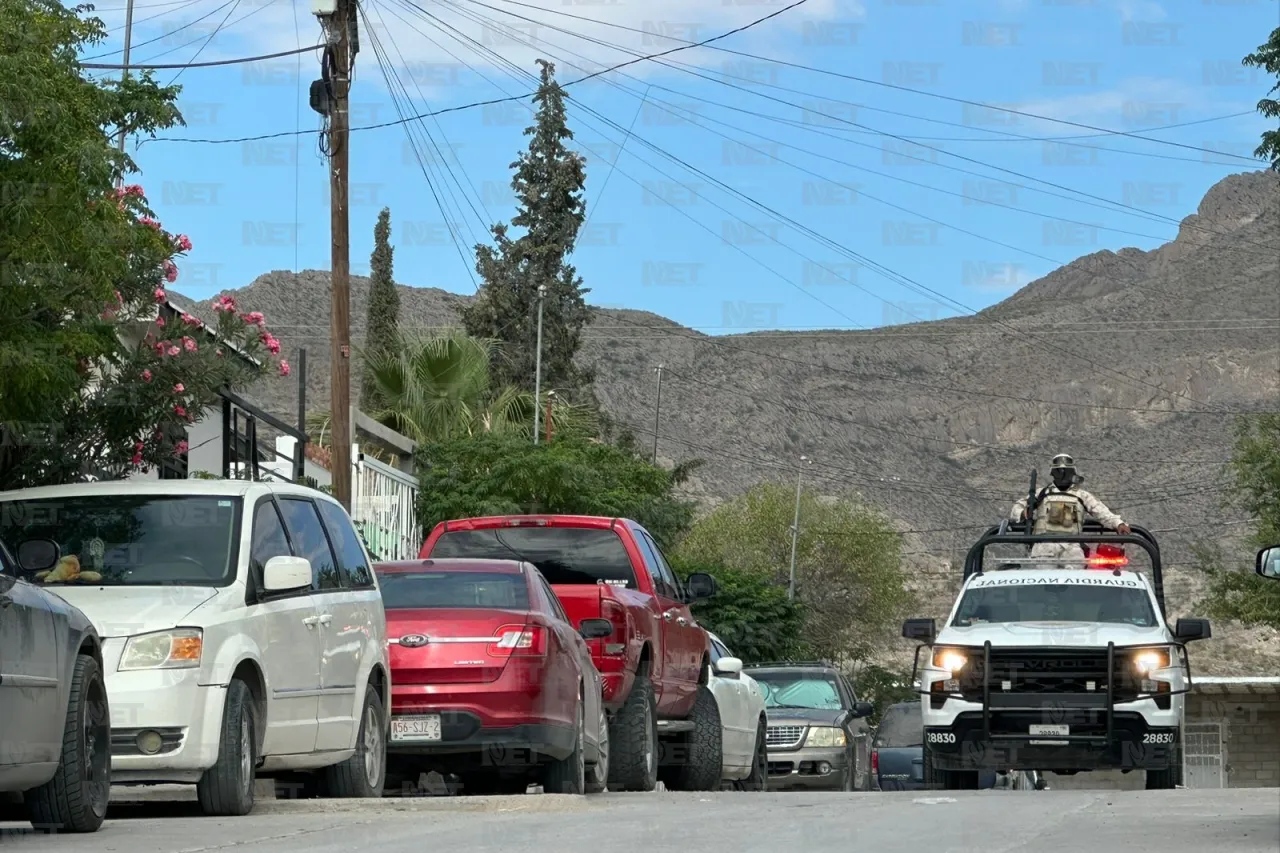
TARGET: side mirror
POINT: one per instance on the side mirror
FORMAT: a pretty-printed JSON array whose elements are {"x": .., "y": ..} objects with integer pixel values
[
  {"x": 699, "y": 586},
  {"x": 922, "y": 630},
  {"x": 727, "y": 667},
  {"x": 282, "y": 574},
  {"x": 38, "y": 555},
  {"x": 1269, "y": 562},
  {"x": 1192, "y": 629},
  {"x": 863, "y": 709},
  {"x": 595, "y": 629}
]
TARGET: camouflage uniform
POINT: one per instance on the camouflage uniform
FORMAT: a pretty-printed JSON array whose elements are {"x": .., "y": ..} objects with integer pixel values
[{"x": 1058, "y": 513}]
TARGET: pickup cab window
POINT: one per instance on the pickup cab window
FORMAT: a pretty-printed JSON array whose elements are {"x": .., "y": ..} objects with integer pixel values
[{"x": 564, "y": 555}]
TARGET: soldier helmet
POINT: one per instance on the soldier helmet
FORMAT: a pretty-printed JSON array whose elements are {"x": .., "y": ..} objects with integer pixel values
[{"x": 1063, "y": 471}]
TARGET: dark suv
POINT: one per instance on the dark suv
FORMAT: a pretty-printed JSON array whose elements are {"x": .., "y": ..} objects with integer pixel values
[{"x": 817, "y": 735}]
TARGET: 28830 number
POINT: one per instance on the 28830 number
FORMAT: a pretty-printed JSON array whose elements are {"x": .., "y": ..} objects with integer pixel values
[
  {"x": 942, "y": 737},
  {"x": 1158, "y": 737}
]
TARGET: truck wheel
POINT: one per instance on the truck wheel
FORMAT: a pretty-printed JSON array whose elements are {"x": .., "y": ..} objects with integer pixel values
[
  {"x": 362, "y": 775},
  {"x": 1171, "y": 776},
  {"x": 75, "y": 799},
  {"x": 226, "y": 788},
  {"x": 700, "y": 767},
  {"x": 633, "y": 736}
]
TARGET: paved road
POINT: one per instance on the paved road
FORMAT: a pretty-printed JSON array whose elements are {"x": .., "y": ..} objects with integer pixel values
[{"x": 1238, "y": 820}]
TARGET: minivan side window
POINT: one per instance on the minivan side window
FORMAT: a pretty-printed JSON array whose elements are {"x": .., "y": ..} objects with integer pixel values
[
  {"x": 269, "y": 540},
  {"x": 353, "y": 565},
  {"x": 310, "y": 541}
]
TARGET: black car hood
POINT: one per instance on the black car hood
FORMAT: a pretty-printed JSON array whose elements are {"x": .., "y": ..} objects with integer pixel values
[{"x": 806, "y": 716}]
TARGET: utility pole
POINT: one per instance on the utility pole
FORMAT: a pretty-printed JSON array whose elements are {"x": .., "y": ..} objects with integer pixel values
[
  {"x": 124, "y": 75},
  {"x": 537, "y": 368},
  {"x": 657, "y": 410},
  {"x": 329, "y": 98},
  {"x": 795, "y": 530}
]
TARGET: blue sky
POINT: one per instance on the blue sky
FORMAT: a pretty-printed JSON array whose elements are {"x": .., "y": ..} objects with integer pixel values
[{"x": 748, "y": 194}]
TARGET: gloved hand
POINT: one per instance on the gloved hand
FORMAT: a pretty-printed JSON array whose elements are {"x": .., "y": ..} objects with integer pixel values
[{"x": 1123, "y": 529}]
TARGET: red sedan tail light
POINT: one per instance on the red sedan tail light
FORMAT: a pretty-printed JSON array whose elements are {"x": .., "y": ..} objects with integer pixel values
[
  {"x": 875, "y": 761},
  {"x": 519, "y": 641}
]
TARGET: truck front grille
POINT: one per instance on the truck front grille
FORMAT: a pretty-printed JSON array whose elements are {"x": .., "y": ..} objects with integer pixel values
[{"x": 1046, "y": 671}]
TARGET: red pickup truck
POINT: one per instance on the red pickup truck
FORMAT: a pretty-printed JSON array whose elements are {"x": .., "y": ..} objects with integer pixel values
[{"x": 663, "y": 720}]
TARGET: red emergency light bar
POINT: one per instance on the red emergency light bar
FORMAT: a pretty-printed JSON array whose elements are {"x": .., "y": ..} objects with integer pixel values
[{"x": 1108, "y": 557}]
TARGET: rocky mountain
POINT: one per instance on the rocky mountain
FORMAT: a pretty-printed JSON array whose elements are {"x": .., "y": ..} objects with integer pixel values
[{"x": 1132, "y": 361}]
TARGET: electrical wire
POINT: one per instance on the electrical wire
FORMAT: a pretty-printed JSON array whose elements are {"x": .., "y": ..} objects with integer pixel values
[{"x": 208, "y": 64}]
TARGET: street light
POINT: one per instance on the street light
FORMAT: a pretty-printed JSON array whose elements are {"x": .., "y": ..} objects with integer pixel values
[{"x": 795, "y": 530}]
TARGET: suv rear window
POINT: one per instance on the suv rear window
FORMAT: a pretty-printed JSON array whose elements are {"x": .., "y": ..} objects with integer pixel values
[
  {"x": 564, "y": 555},
  {"x": 413, "y": 590},
  {"x": 902, "y": 726}
]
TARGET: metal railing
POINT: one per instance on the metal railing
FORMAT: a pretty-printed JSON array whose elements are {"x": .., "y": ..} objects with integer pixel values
[{"x": 383, "y": 506}]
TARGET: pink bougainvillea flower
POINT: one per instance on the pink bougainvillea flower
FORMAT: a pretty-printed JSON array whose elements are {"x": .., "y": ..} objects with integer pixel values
[
  {"x": 137, "y": 445},
  {"x": 224, "y": 303},
  {"x": 160, "y": 321},
  {"x": 189, "y": 344},
  {"x": 134, "y": 190},
  {"x": 147, "y": 220},
  {"x": 161, "y": 347},
  {"x": 146, "y": 376},
  {"x": 269, "y": 341},
  {"x": 161, "y": 296},
  {"x": 189, "y": 320},
  {"x": 183, "y": 242},
  {"x": 179, "y": 411},
  {"x": 170, "y": 271},
  {"x": 284, "y": 367},
  {"x": 179, "y": 388},
  {"x": 137, "y": 459},
  {"x": 254, "y": 318},
  {"x": 180, "y": 448},
  {"x": 174, "y": 351}
]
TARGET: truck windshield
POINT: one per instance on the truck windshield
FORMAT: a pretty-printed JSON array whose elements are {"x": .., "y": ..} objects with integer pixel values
[
  {"x": 414, "y": 590},
  {"x": 902, "y": 726},
  {"x": 1054, "y": 602},
  {"x": 130, "y": 540},
  {"x": 564, "y": 555}
]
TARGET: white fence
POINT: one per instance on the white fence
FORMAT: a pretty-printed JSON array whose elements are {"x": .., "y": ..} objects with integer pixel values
[
  {"x": 1202, "y": 751},
  {"x": 382, "y": 506}
]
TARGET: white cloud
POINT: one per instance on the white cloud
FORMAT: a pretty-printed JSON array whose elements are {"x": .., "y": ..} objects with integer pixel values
[{"x": 1137, "y": 103}]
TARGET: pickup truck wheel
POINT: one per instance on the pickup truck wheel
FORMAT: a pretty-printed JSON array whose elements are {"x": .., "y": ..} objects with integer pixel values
[
  {"x": 226, "y": 788},
  {"x": 633, "y": 736},
  {"x": 75, "y": 799},
  {"x": 362, "y": 775},
  {"x": 700, "y": 764},
  {"x": 1169, "y": 778}
]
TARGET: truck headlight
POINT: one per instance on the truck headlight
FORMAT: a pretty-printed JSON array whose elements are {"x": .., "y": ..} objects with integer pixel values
[
  {"x": 952, "y": 660},
  {"x": 180, "y": 648},
  {"x": 1146, "y": 661},
  {"x": 825, "y": 736}
]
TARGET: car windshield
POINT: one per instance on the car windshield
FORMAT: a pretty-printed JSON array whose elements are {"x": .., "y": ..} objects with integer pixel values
[
  {"x": 564, "y": 555},
  {"x": 789, "y": 690},
  {"x": 414, "y": 590},
  {"x": 902, "y": 726},
  {"x": 1051, "y": 600},
  {"x": 130, "y": 540}
]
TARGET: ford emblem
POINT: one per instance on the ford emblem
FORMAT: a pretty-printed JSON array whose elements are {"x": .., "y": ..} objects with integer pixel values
[{"x": 412, "y": 641}]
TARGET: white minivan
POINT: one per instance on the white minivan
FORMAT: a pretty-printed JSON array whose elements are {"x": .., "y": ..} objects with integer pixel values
[{"x": 242, "y": 629}]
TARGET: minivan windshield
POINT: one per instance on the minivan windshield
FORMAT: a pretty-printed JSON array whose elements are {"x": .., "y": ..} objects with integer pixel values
[
  {"x": 564, "y": 555},
  {"x": 901, "y": 726},
  {"x": 1055, "y": 602},
  {"x": 130, "y": 540}
]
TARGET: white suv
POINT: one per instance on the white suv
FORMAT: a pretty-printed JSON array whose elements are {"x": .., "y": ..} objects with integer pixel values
[{"x": 242, "y": 628}]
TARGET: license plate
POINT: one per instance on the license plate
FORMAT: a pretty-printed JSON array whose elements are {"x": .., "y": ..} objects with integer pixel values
[
  {"x": 425, "y": 728},
  {"x": 1051, "y": 730}
]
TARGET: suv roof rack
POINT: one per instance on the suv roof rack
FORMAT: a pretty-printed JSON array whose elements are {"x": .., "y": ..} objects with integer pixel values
[
  {"x": 781, "y": 663},
  {"x": 1015, "y": 532}
]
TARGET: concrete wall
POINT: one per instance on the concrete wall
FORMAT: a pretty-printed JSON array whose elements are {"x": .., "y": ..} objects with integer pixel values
[{"x": 1251, "y": 735}]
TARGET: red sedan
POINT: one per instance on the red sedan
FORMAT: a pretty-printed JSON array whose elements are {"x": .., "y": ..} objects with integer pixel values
[{"x": 490, "y": 681}]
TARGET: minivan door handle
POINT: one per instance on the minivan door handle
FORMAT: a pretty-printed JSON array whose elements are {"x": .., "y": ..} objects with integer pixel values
[
  {"x": 326, "y": 618},
  {"x": 311, "y": 621}
]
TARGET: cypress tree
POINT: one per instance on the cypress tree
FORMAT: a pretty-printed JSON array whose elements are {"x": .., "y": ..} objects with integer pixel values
[{"x": 382, "y": 330}]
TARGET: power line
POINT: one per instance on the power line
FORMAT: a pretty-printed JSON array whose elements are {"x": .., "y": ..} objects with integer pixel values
[{"x": 209, "y": 64}]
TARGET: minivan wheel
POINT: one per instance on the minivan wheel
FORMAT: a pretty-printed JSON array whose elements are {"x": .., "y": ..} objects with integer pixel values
[
  {"x": 226, "y": 788},
  {"x": 363, "y": 774}
]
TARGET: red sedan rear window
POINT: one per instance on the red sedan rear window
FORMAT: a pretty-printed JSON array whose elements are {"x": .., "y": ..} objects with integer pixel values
[
  {"x": 413, "y": 590},
  {"x": 564, "y": 555}
]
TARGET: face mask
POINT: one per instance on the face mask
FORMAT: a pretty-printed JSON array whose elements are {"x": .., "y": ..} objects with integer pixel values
[{"x": 1063, "y": 479}]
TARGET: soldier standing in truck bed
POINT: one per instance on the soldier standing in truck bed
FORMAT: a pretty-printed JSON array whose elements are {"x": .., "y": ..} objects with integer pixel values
[{"x": 1061, "y": 508}]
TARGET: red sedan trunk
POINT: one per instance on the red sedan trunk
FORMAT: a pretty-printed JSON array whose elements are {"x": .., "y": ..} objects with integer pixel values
[{"x": 474, "y": 665}]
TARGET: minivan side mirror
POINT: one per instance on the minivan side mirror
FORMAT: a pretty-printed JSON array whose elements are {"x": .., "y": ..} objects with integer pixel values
[
  {"x": 595, "y": 629},
  {"x": 1269, "y": 562},
  {"x": 283, "y": 574},
  {"x": 38, "y": 555},
  {"x": 699, "y": 586},
  {"x": 727, "y": 667},
  {"x": 923, "y": 630},
  {"x": 1187, "y": 630}
]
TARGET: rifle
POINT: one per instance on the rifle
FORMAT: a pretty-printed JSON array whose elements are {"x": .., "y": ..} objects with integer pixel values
[{"x": 1031, "y": 500}]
